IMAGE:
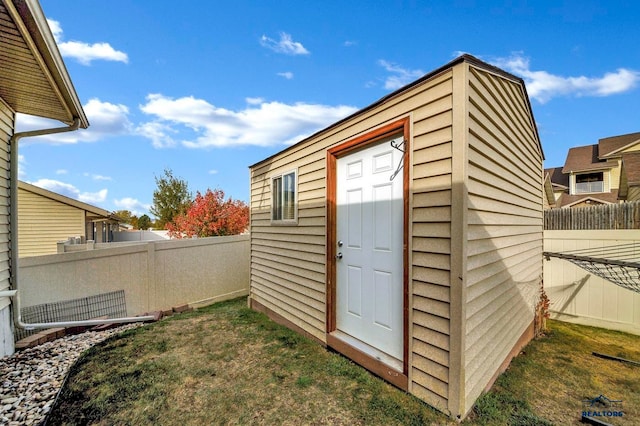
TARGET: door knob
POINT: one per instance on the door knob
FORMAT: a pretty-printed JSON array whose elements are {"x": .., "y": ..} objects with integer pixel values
[
  {"x": 340, "y": 243},
  {"x": 339, "y": 255}
]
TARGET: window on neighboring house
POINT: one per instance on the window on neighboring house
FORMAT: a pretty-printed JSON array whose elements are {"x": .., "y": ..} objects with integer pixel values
[
  {"x": 590, "y": 182},
  {"x": 283, "y": 198}
]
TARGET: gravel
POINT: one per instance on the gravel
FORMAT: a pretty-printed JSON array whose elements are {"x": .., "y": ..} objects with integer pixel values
[{"x": 31, "y": 378}]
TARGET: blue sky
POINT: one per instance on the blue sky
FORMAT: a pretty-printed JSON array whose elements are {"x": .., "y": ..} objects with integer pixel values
[{"x": 208, "y": 88}]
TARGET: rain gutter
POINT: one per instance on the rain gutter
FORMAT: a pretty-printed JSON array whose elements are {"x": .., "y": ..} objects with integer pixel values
[{"x": 17, "y": 317}]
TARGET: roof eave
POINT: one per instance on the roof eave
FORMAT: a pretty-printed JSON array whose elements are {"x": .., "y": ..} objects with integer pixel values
[
  {"x": 618, "y": 152},
  {"x": 35, "y": 22},
  {"x": 462, "y": 58},
  {"x": 64, "y": 199}
]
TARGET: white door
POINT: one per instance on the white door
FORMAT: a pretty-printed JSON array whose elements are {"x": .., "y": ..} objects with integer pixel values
[{"x": 369, "y": 235}]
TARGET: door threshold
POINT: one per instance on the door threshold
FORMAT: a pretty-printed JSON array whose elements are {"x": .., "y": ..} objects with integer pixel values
[
  {"x": 370, "y": 358},
  {"x": 369, "y": 350}
]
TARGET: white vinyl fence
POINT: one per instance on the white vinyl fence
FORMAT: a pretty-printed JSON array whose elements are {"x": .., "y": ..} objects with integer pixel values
[
  {"x": 576, "y": 295},
  {"x": 155, "y": 275}
]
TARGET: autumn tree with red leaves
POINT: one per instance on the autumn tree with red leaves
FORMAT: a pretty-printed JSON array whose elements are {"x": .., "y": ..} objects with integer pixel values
[{"x": 210, "y": 215}]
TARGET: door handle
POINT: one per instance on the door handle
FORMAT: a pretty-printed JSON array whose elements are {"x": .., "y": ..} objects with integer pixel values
[
  {"x": 339, "y": 255},
  {"x": 340, "y": 243}
]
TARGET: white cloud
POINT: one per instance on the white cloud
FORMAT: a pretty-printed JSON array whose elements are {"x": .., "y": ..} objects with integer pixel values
[
  {"x": 349, "y": 43},
  {"x": 285, "y": 45},
  {"x": 134, "y": 206},
  {"x": 543, "y": 86},
  {"x": 264, "y": 124},
  {"x": 93, "y": 197},
  {"x": 106, "y": 119},
  {"x": 71, "y": 191},
  {"x": 62, "y": 171},
  {"x": 400, "y": 77},
  {"x": 254, "y": 101},
  {"x": 213, "y": 172},
  {"x": 97, "y": 177},
  {"x": 56, "y": 29},
  {"x": 287, "y": 74},
  {"x": 21, "y": 167},
  {"x": 85, "y": 52},
  {"x": 158, "y": 133}
]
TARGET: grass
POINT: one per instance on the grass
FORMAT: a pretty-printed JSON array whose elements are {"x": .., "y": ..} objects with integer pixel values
[
  {"x": 226, "y": 364},
  {"x": 556, "y": 373}
]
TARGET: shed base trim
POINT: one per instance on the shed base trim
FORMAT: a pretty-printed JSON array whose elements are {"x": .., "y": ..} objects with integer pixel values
[
  {"x": 279, "y": 319},
  {"x": 374, "y": 365},
  {"x": 526, "y": 337}
]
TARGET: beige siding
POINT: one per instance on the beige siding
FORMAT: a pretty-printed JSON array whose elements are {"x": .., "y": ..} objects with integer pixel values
[
  {"x": 43, "y": 222},
  {"x": 634, "y": 193},
  {"x": 611, "y": 179},
  {"x": 431, "y": 245},
  {"x": 288, "y": 262},
  {"x": 504, "y": 247},
  {"x": 6, "y": 130},
  {"x": 614, "y": 176}
]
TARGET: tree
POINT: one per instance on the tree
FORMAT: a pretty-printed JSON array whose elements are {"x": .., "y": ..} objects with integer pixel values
[
  {"x": 126, "y": 216},
  {"x": 171, "y": 198},
  {"x": 134, "y": 222},
  {"x": 211, "y": 215},
  {"x": 144, "y": 222}
]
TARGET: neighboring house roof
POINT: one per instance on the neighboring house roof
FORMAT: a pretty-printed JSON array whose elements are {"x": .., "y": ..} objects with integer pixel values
[
  {"x": 93, "y": 211},
  {"x": 34, "y": 79},
  {"x": 558, "y": 179},
  {"x": 585, "y": 158},
  {"x": 601, "y": 156},
  {"x": 614, "y": 144},
  {"x": 567, "y": 200}
]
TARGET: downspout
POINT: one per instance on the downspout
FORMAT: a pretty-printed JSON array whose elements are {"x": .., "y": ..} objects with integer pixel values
[{"x": 13, "y": 229}]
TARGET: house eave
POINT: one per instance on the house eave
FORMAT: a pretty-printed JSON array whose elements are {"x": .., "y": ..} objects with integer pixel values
[
  {"x": 618, "y": 152},
  {"x": 97, "y": 211},
  {"x": 582, "y": 200},
  {"x": 28, "y": 17},
  {"x": 595, "y": 168}
]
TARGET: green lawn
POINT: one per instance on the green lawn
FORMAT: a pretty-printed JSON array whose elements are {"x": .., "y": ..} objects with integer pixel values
[{"x": 226, "y": 364}]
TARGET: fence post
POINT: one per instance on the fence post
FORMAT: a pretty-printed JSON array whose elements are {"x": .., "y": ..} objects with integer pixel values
[{"x": 151, "y": 276}]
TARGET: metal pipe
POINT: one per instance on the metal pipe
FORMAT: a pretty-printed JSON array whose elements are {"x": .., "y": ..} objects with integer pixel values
[{"x": 13, "y": 229}]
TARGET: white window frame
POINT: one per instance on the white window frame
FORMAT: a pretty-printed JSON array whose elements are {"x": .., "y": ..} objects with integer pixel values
[
  {"x": 589, "y": 184},
  {"x": 278, "y": 199}
]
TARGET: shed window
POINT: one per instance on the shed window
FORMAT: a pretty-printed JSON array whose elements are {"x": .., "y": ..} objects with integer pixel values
[{"x": 283, "y": 197}]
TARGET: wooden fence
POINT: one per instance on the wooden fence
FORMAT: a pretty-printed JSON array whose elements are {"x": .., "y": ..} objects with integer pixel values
[{"x": 605, "y": 217}]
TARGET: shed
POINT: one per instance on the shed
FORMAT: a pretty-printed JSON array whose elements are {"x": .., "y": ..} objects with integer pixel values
[
  {"x": 33, "y": 80},
  {"x": 408, "y": 236}
]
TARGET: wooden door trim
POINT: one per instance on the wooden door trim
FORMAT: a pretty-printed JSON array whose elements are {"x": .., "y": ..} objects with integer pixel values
[{"x": 331, "y": 160}]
